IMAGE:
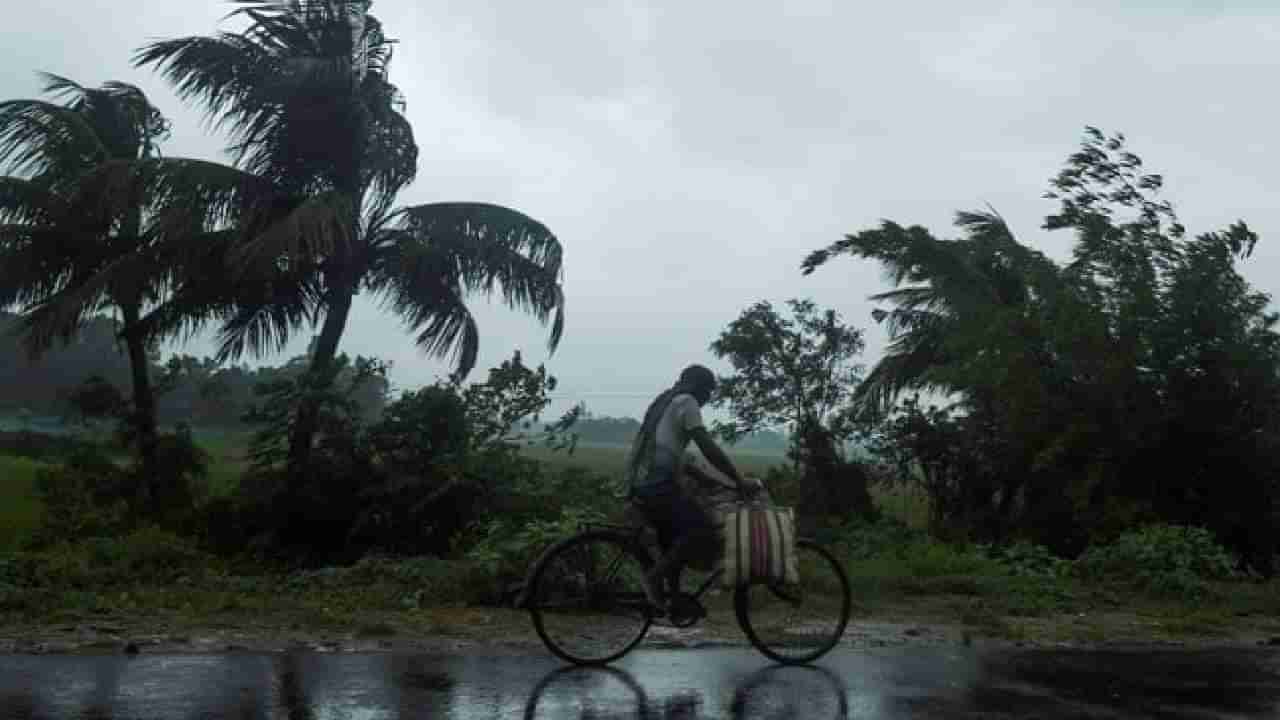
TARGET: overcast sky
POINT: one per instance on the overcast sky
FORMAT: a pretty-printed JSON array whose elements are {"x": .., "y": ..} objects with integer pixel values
[{"x": 689, "y": 154}]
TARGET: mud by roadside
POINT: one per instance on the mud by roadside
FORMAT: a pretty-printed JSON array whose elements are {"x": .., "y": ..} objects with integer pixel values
[{"x": 499, "y": 631}]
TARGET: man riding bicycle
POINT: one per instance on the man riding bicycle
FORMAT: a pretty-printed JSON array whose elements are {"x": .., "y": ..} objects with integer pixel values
[{"x": 655, "y": 466}]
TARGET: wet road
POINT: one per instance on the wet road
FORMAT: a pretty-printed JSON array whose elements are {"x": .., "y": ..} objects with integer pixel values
[{"x": 666, "y": 685}]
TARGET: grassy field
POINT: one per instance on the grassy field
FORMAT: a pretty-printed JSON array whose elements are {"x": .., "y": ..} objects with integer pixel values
[
  {"x": 906, "y": 505},
  {"x": 900, "y": 577},
  {"x": 612, "y": 459},
  {"x": 227, "y": 459},
  {"x": 19, "y": 506}
]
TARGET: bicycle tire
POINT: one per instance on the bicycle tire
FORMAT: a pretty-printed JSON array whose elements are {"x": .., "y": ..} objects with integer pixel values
[
  {"x": 627, "y": 549},
  {"x": 742, "y": 608}
]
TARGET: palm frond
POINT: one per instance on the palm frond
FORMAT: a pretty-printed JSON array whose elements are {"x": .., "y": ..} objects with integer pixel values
[
  {"x": 181, "y": 193},
  {"x": 217, "y": 72},
  {"x": 317, "y": 228},
  {"x": 490, "y": 247},
  {"x": 27, "y": 201},
  {"x": 58, "y": 315},
  {"x": 33, "y": 263},
  {"x": 304, "y": 110},
  {"x": 266, "y": 312},
  {"x": 422, "y": 287},
  {"x": 41, "y": 139},
  {"x": 121, "y": 116},
  {"x": 905, "y": 366}
]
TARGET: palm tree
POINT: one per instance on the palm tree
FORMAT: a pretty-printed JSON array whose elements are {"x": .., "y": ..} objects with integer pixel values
[
  {"x": 306, "y": 219},
  {"x": 57, "y": 235},
  {"x": 960, "y": 306}
]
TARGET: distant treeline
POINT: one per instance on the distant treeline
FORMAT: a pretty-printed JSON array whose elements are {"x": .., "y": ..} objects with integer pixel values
[
  {"x": 197, "y": 391},
  {"x": 621, "y": 430}
]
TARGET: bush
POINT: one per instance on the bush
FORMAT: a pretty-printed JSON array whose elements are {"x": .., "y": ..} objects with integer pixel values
[
  {"x": 87, "y": 496},
  {"x": 1028, "y": 560},
  {"x": 505, "y": 550},
  {"x": 930, "y": 559},
  {"x": 182, "y": 468},
  {"x": 408, "y": 484},
  {"x": 146, "y": 555},
  {"x": 1166, "y": 559},
  {"x": 859, "y": 540}
]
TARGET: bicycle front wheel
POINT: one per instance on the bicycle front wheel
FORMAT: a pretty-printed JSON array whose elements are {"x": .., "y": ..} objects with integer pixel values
[
  {"x": 796, "y": 624},
  {"x": 587, "y": 598}
]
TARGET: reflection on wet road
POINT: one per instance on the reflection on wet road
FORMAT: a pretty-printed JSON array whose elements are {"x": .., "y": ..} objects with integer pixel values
[{"x": 663, "y": 685}]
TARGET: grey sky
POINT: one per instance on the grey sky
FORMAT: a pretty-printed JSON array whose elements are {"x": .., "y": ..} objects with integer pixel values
[{"x": 689, "y": 155}]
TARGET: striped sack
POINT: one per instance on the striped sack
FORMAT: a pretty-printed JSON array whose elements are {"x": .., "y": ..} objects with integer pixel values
[{"x": 759, "y": 546}]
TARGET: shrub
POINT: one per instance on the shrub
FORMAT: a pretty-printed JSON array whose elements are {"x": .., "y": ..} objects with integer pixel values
[
  {"x": 930, "y": 558},
  {"x": 183, "y": 470},
  {"x": 146, "y": 555},
  {"x": 1165, "y": 559},
  {"x": 860, "y": 540},
  {"x": 86, "y": 496},
  {"x": 505, "y": 550},
  {"x": 1029, "y": 560}
]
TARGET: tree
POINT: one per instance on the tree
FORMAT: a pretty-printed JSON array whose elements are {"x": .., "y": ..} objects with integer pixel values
[
  {"x": 1092, "y": 396},
  {"x": 59, "y": 235},
  {"x": 96, "y": 400},
  {"x": 306, "y": 219},
  {"x": 967, "y": 322},
  {"x": 797, "y": 371}
]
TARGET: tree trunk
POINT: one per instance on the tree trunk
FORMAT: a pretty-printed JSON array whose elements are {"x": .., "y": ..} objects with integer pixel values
[
  {"x": 326, "y": 348},
  {"x": 143, "y": 415}
]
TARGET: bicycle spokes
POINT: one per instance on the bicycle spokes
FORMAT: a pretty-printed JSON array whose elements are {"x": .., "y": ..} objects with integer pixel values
[{"x": 588, "y": 600}]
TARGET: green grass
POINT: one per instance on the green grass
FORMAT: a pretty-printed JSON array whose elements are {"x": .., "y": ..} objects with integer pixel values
[
  {"x": 20, "y": 509},
  {"x": 907, "y": 505},
  {"x": 228, "y": 461}
]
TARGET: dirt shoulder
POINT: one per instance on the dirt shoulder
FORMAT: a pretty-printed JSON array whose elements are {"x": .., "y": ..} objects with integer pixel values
[{"x": 931, "y": 622}]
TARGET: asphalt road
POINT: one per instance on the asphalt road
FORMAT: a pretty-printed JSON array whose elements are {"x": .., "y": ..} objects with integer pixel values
[{"x": 659, "y": 684}]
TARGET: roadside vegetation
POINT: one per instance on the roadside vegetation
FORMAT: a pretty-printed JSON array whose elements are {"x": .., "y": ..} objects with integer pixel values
[{"x": 1086, "y": 451}]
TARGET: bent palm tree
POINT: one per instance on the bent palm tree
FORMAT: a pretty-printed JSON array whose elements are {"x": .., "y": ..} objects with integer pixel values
[
  {"x": 305, "y": 221},
  {"x": 56, "y": 234},
  {"x": 959, "y": 305}
]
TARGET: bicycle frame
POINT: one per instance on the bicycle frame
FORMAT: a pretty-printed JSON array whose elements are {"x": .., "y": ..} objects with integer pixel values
[{"x": 637, "y": 533}]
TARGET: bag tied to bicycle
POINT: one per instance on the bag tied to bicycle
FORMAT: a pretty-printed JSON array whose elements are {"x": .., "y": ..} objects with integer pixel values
[{"x": 760, "y": 546}]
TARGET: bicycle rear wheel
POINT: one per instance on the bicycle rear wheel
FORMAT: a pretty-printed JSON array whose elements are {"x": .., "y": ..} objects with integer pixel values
[
  {"x": 801, "y": 623},
  {"x": 587, "y": 598}
]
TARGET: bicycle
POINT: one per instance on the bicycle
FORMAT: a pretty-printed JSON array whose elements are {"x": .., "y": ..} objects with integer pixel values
[{"x": 588, "y": 598}]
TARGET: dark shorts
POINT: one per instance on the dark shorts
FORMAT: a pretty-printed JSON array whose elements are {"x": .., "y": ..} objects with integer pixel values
[{"x": 672, "y": 513}]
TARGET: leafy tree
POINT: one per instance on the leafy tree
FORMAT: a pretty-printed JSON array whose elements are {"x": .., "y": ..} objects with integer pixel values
[
  {"x": 59, "y": 233},
  {"x": 787, "y": 370},
  {"x": 96, "y": 400},
  {"x": 436, "y": 459},
  {"x": 1118, "y": 389},
  {"x": 306, "y": 219},
  {"x": 798, "y": 371}
]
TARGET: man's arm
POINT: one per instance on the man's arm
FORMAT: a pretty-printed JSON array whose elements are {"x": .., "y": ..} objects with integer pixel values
[{"x": 714, "y": 455}]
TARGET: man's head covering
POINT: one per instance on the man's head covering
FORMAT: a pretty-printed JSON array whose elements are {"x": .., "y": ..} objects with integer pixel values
[{"x": 696, "y": 377}]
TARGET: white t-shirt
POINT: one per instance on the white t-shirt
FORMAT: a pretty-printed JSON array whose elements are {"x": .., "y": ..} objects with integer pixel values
[{"x": 670, "y": 438}]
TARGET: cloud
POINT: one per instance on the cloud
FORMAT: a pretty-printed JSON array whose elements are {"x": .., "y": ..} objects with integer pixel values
[{"x": 690, "y": 154}]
